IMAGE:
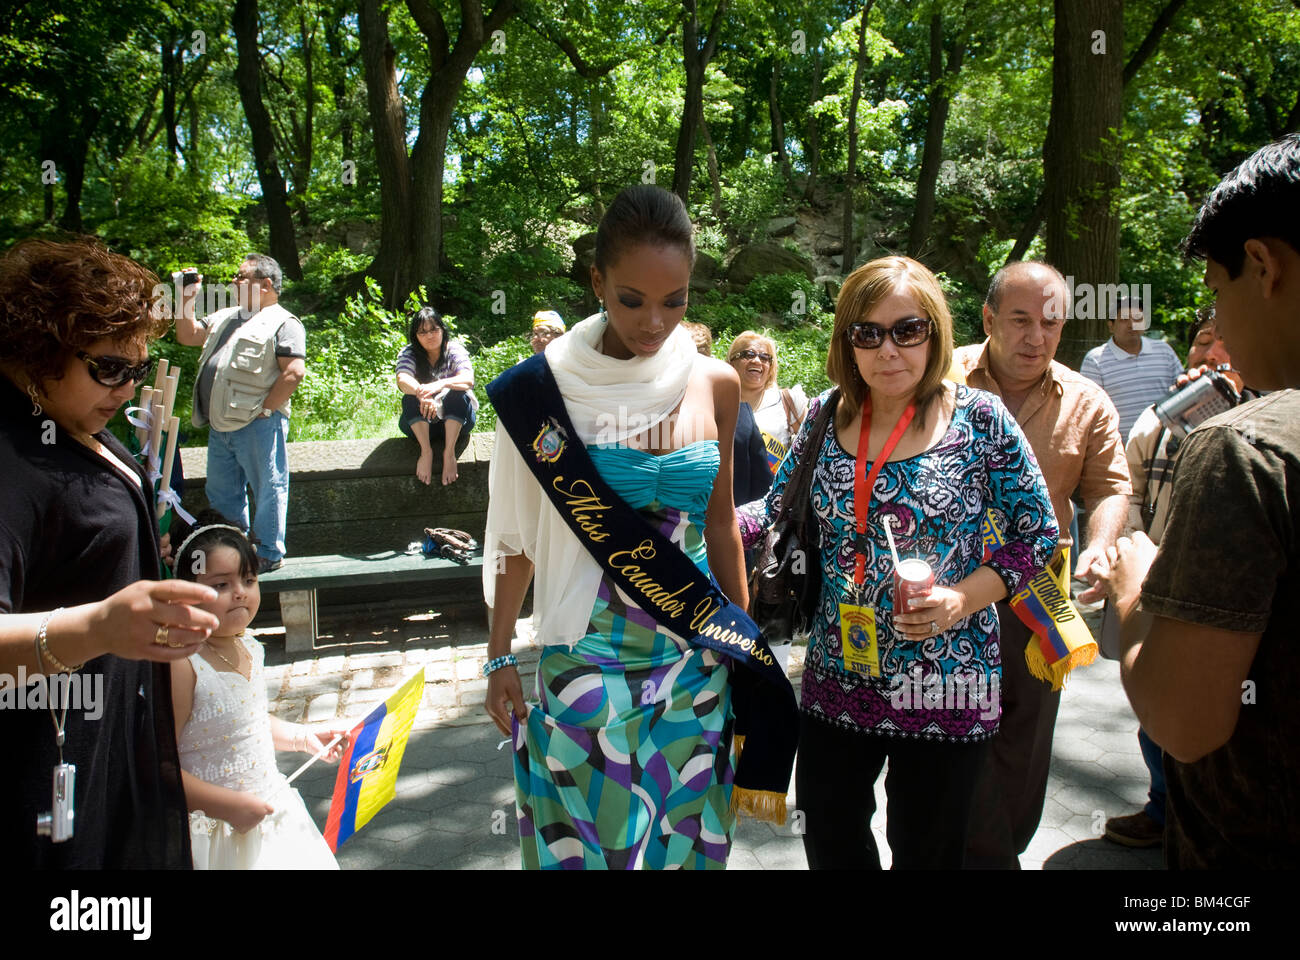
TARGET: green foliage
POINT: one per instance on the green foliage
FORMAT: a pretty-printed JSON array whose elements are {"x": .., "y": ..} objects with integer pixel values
[
  {"x": 489, "y": 363},
  {"x": 350, "y": 390},
  {"x": 754, "y": 194},
  {"x": 785, "y": 293}
]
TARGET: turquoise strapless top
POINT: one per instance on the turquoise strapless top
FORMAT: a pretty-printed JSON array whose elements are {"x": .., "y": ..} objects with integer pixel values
[{"x": 681, "y": 479}]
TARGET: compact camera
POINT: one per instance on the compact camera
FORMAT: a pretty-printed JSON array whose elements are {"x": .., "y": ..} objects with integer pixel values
[
  {"x": 57, "y": 824},
  {"x": 1199, "y": 400}
]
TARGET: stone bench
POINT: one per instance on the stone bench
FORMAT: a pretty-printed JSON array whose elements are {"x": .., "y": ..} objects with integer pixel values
[
  {"x": 351, "y": 501},
  {"x": 300, "y": 577}
]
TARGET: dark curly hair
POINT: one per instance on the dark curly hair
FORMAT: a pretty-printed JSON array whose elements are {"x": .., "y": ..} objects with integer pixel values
[{"x": 58, "y": 298}]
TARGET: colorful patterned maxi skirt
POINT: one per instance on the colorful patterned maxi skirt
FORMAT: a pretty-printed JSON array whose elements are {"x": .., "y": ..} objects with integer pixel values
[{"x": 626, "y": 761}]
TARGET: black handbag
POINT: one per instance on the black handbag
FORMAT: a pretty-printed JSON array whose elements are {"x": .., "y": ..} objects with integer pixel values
[{"x": 787, "y": 579}]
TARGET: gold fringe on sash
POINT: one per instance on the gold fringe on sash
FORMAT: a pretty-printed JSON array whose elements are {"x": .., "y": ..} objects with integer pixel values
[
  {"x": 760, "y": 804},
  {"x": 1056, "y": 673}
]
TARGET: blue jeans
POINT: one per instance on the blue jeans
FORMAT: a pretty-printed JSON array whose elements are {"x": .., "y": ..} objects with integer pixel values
[
  {"x": 254, "y": 456},
  {"x": 455, "y": 406},
  {"x": 1154, "y": 758}
]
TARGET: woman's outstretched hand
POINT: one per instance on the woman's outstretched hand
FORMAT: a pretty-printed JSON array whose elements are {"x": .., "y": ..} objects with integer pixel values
[{"x": 155, "y": 619}]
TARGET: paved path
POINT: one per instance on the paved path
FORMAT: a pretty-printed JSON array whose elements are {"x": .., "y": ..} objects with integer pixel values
[{"x": 455, "y": 795}]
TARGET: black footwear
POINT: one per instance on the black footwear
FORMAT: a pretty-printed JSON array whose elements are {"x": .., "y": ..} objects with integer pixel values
[
  {"x": 265, "y": 565},
  {"x": 1135, "y": 830}
]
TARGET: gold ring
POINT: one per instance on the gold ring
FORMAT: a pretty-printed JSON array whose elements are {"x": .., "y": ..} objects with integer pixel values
[{"x": 160, "y": 636}]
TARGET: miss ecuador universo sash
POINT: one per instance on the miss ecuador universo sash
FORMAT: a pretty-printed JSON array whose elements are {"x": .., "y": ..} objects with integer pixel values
[
  {"x": 1061, "y": 641},
  {"x": 660, "y": 578}
]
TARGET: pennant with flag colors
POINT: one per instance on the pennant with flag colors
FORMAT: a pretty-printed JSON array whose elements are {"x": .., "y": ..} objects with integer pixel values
[
  {"x": 367, "y": 776},
  {"x": 1061, "y": 640}
]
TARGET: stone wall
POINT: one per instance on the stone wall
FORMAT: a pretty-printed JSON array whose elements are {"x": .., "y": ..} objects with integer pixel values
[{"x": 361, "y": 496}]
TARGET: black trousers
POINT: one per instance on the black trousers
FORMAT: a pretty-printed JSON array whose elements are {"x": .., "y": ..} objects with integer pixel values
[
  {"x": 930, "y": 787},
  {"x": 1009, "y": 799}
]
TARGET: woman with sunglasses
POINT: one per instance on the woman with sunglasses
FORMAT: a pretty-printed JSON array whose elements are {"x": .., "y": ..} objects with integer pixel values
[
  {"x": 919, "y": 689},
  {"x": 79, "y": 594},
  {"x": 778, "y": 412}
]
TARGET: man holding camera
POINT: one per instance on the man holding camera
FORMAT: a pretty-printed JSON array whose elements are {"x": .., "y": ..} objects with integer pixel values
[
  {"x": 1209, "y": 660},
  {"x": 1151, "y": 449},
  {"x": 252, "y": 362}
]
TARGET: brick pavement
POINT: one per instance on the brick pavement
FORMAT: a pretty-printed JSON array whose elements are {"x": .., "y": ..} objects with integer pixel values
[{"x": 454, "y": 807}]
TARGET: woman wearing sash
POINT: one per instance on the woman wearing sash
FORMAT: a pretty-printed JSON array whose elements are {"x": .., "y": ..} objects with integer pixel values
[
  {"x": 625, "y": 761},
  {"x": 919, "y": 689}
]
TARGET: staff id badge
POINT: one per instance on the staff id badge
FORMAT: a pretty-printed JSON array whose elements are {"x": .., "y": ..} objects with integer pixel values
[{"x": 858, "y": 639}]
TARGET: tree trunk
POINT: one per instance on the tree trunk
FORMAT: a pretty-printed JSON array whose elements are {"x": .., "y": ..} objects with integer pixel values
[
  {"x": 338, "y": 84},
  {"x": 778, "y": 124},
  {"x": 850, "y": 174},
  {"x": 940, "y": 98},
  {"x": 714, "y": 180},
  {"x": 388, "y": 124},
  {"x": 410, "y": 241},
  {"x": 814, "y": 130},
  {"x": 307, "y": 144},
  {"x": 695, "y": 59},
  {"x": 1081, "y": 154},
  {"x": 169, "y": 84},
  {"x": 73, "y": 170},
  {"x": 284, "y": 244}
]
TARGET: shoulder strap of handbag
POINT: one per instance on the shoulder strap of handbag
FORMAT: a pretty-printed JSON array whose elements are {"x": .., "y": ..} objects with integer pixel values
[
  {"x": 792, "y": 419},
  {"x": 798, "y": 487},
  {"x": 649, "y": 567}
]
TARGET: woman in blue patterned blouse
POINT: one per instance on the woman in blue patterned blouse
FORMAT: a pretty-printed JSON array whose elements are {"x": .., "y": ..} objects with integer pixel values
[{"x": 918, "y": 689}]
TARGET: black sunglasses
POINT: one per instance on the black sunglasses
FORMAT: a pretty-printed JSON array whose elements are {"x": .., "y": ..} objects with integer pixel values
[
  {"x": 753, "y": 355},
  {"x": 115, "y": 371},
  {"x": 908, "y": 332}
]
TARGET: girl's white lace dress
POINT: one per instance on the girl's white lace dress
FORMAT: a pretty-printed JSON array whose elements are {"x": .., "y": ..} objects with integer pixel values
[{"x": 227, "y": 742}]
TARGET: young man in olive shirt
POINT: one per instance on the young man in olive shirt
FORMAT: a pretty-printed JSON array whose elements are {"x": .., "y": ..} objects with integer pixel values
[{"x": 1210, "y": 660}]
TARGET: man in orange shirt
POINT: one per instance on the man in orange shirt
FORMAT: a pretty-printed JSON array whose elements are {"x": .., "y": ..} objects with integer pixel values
[{"x": 1073, "y": 429}]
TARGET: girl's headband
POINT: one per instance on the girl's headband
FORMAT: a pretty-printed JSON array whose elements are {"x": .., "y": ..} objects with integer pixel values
[{"x": 211, "y": 526}]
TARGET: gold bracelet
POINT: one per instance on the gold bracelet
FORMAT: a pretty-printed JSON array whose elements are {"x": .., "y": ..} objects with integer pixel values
[{"x": 43, "y": 652}]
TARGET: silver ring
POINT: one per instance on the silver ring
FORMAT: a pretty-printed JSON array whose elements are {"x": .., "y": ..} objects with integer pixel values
[{"x": 934, "y": 627}]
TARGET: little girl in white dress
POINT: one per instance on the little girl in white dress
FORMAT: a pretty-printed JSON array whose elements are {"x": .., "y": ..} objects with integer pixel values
[{"x": 242, "y": 817}]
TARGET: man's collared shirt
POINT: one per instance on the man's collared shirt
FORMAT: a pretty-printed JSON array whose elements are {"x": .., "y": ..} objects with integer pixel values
[
  {"x": 1073, "y": 429},
  {"x": 1133, "y": 381}
]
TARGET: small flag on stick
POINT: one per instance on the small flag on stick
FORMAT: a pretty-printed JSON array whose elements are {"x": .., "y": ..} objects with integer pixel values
[{"x": 367, "y": 777}]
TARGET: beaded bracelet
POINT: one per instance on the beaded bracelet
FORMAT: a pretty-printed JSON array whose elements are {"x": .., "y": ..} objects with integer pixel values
[{"x": 496, "y": 663}]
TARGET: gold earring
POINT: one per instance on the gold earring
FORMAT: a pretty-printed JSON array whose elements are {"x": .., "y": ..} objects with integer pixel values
[{"x": 36, "y": 403}]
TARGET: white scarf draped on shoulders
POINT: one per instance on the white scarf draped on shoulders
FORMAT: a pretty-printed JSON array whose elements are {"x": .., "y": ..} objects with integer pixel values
[{"x": 607, "y": 399}]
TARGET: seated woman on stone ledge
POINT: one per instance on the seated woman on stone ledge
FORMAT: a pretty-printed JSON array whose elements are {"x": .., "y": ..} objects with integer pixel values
[{"x": 436, "y": 379}]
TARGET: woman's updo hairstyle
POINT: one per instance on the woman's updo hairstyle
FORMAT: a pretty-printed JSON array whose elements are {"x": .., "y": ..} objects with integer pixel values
[{"x": 643, "y": 214}]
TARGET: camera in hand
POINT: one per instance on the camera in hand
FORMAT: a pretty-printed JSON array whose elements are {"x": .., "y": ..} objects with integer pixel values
[
  {"x": 189, "y": 278},
  {"x": 1182, "y": 411}
]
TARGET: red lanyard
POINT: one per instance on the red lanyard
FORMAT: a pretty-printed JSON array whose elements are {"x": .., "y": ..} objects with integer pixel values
[{"x": 864, "y": 482}]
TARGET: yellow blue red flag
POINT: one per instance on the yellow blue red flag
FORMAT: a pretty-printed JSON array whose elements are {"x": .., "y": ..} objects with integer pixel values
[
  {"x": 1061, "y": 640},
  {"x": 367, "y": 776}
]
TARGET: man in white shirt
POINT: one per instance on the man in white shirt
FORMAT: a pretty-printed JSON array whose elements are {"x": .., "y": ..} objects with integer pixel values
[{"x": 1135, "y": 371}]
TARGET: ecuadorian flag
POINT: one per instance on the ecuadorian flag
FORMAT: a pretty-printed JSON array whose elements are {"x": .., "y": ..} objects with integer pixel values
[
  {"x": 368, "y": 771},
  {"x": 1061, "y": 640}
]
